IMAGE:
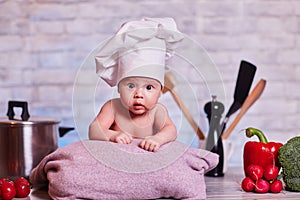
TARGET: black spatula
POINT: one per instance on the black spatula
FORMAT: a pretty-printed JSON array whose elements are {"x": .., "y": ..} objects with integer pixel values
[{"x": 243, "y": 84}]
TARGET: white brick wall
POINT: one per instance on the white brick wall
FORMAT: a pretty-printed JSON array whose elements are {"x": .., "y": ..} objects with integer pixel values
[{"x": 44, "y": 43}]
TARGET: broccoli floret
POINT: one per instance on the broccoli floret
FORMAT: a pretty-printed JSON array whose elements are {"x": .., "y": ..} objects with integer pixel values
[{"x": 289, "y": 158}]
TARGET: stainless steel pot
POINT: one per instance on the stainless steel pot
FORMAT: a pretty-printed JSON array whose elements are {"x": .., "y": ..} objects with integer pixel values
[{"x": 25, "y": 142}]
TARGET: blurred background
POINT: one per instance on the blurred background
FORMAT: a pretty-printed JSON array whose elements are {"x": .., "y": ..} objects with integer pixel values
[{"x": 46, "y": 45}]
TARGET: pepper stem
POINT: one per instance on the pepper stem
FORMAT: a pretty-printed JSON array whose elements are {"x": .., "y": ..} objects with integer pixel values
[{"x": 253, "y": 131}]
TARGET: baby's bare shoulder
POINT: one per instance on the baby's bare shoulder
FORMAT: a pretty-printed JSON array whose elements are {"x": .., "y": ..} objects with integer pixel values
[
  {"x": 116, "y": 101},
  {"x": 111, "y": 104},
  {"x": 160, "y": 109}
]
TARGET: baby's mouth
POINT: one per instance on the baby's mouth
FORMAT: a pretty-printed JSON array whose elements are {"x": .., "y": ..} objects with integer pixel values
[{"x": 138, "y": 106}]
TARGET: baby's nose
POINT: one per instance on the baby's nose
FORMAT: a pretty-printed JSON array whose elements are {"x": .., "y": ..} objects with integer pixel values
[{"x": 138, "y": 93}]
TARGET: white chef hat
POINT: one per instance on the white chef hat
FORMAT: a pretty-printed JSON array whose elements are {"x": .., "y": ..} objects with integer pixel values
[{"x": 139, "y": 48}]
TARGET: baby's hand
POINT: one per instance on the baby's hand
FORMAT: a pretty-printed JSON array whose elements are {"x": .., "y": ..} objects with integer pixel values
[
  {"x": 150, "y": 144},
  {"x": 122, "y": 138}
]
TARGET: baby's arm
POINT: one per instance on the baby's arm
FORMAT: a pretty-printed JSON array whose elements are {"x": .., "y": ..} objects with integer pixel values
[
  {"x": 166, "y": 130},
  {"x": 99, "y": 129}
]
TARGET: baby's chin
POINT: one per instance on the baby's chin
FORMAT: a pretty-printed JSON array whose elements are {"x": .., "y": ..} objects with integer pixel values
[{"x": 140, "y": 111}]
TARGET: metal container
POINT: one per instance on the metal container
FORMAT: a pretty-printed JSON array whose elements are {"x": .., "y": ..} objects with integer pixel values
[{"x": 25, "y": 142}]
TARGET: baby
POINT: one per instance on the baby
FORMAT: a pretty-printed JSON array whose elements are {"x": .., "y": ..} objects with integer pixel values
[{"x": 134, "y": 60}]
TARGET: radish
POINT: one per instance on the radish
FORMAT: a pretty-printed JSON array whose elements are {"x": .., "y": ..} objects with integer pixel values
[
  {"x": 255, "y": 172},
  {"x": 276, "y": 186},
  {"x": 262, "y": 186},
  {"x": 271, "y": 172},
  {"x": 247, "y": 184}
]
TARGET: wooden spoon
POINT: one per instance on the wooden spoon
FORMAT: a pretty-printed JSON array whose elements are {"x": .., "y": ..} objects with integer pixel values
[
  {"x": 252, "y": 97},
  {"x": 169, "y": 86}
]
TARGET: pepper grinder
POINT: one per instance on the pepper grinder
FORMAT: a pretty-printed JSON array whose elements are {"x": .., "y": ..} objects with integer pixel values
[{"x": 214, "y": 110}]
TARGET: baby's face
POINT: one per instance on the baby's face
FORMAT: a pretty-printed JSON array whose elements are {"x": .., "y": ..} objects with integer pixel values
[{"x": 139, "y": 94}]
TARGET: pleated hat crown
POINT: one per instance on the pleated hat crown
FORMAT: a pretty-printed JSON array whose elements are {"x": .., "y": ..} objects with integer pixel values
[{"x": 139, "y": 49}]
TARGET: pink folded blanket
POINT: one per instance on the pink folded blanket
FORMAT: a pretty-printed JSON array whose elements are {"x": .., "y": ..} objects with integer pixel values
[{"x": 104, "y": 170}]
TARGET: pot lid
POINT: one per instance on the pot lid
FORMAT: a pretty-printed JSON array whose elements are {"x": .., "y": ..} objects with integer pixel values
[
  {"x": 25, "y": 118},
  {"x": 34, "y": 120}
]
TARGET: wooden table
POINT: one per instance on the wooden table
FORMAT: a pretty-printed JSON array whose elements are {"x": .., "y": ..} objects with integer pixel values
[
  {"x": 228, "y": 187},
  {"x": 218, "y": 188}
]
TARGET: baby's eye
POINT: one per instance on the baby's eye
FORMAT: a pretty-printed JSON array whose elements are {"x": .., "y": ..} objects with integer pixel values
[
  {"x": 149, "y": 87},
  {"x": 131, "y": 85}
]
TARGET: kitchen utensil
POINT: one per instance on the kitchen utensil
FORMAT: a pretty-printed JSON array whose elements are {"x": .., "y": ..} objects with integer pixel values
[
  {"x": 243, "y": 84},
  {"x": 252, "y": 97},
  {"x": 169, "y": 87},
  {"x": 214, "y": 110},
  {"x": 24, "y": 142}
]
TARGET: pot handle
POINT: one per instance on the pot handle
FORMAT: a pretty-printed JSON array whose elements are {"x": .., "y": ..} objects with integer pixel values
[
  {"x": 23, "y": 104},
  {"x": 64, "y": 130}
]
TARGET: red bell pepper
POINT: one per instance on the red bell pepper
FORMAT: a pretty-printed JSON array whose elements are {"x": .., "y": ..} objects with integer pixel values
[{"x": 260, "y": 153}]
